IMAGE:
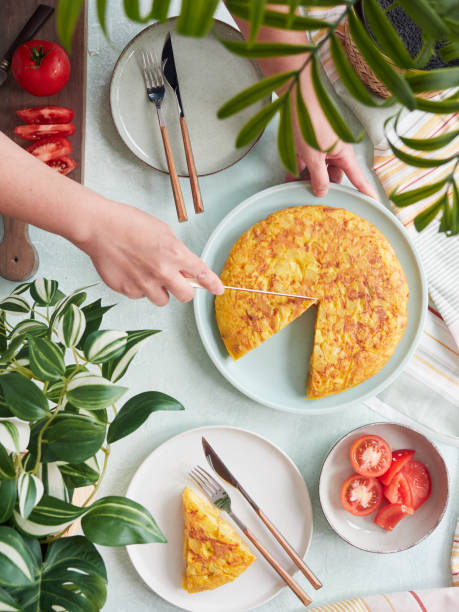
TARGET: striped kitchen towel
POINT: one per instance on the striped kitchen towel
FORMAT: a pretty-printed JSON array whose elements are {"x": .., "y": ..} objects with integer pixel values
[{"x": 426, "y": 394}]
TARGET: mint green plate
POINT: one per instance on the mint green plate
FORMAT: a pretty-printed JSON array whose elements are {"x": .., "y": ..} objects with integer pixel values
[{"x": 274, "y": 374}]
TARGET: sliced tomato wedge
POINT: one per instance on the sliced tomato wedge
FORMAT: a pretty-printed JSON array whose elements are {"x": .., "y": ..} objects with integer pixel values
[
  {"x": 46, "y": 114},
  {"x": 361, "y": 495},
  {"x": 371, "y": 456},
  {"x": 51, "y": 147},
  {"x": 399, "y": 491},
  {"x": 36, "y": 131},
  {"x": 419, "y": 481},
  {"x": 63, "y": 165},
  {"x": 399, "y": 459},
  {"x": 391, "y": 514}
]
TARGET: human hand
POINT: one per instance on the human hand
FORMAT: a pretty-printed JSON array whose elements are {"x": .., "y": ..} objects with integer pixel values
[{"x": 139, "y": 256}]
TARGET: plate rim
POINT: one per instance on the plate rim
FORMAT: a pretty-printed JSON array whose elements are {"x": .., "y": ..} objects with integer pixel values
[
  {"x": 131, "y": 548},
  {"x": 311, "y": 410},
  {"x": 111, "y": 86},
  {"x": 443, "y": 462}
]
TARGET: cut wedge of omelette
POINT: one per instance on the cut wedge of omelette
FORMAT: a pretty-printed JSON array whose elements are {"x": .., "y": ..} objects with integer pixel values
[
  {"x": 213, "y": 551},
  {"x": 331, "y": 254}
]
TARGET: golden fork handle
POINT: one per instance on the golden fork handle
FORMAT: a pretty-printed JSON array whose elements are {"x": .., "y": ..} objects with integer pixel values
[
  {"x": 178, "y": 197},
  {"x": 197, "y": 200},
  {"x": 302, "y": 596}
]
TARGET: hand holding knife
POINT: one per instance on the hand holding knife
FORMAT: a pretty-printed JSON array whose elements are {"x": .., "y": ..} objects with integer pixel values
[{"x": 220, "y": 468}]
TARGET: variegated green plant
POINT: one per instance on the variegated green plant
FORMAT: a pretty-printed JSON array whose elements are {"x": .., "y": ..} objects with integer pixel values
[
  {"x": 383, "y": 51},
  {"x": 58, "y": 388}
]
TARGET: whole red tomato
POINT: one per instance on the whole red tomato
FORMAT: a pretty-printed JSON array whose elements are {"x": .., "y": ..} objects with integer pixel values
[{"x": 41, "y": 67}]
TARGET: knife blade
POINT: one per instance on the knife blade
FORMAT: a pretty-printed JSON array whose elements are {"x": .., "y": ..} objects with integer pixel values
[
  {"x": 220, "y": 468},
  {"x": 170, "y": 74},
  {"x": 33, "y": 24},
  {"x": 197, "y": 285}
]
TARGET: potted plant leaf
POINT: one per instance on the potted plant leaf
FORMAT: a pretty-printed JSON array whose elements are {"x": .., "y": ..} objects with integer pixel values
[{"x": 59, "y": 386}]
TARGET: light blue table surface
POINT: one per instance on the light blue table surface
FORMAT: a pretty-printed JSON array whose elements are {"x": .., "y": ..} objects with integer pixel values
[{"x": 175, "y": 361}]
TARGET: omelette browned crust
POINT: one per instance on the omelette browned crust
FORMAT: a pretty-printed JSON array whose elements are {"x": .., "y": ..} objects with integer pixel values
[
  {"x": 214, "y": 552},
  {"x": 326, "y": 252}
]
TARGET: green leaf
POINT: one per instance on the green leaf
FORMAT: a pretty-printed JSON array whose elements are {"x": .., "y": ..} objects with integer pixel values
[
  {"x": 30, "y": 491},
  {"x": 450, "y": 52},
  {"x": 331, "y": 112},
  {"x": 14, "y": 435},
  {"x": 449, "y": 105},
  {"x": 93, "y": 314},
  {"x": 425, "y": 16},
  {"x": 3, "y": 332},
  {"x": 257, "y": 10},
  {"x": 21, "y": 288},
  {"x": 254, "y": 126},
  {"x": 265, "y": 49},
  {"x": 43, "y": 290},
  {"x": 114, "y": 369},
  {"x": 80, "y": 474},
  {"x": 5, "y": 412},
  {"x": 29, "y": 327},
  {"x": 69, "y": 437},
  {"x": 76, "y": 297},
  {"x": 249, "y": 96},
  {"x": 18, "y": 565},
  {"x": 285, "y": 140},
  {"x": 50, "y": 516},
  {"x": 430, "y": 144},
  {"x": 92, "y": 392},
  {"x": 101, "y": 346},
  {"x": 102, "y": 14},
  {"x": 7, "y": 469},
  {"x": 118, "y": 521},
  {"x": 14, "y": 303},
  {"x": 433, "y": 80},
  {"x": 67, "y": 15},
  {"x": 23, "y": 397},
  {"x": 416, "y": 195},
  {"x": 304, "y": 121},
  {"x": 196, "y": 17},
  {"x": 160, "y": 9},
  {"x": 132, "y": 10},
  {"x": 46, "y": 359},
  {"x": 386, "y": 36},
  {"x": 71, "y": 326},
  {"x": 52, "y": 480},
  {"x": 420, "y": 162},
  {"x": 136, "y": 411},
  {"x": 8, "y": 603},
  {"x": 347, "y": 74},
  {"x": 446, "y": 218},
  {"x": 275, "y": 19},
  {"x": 429, "y": 214},
  {"x": 454, "y": 225},
  {"x": 382, "y": 69},
  {"x": 7, "y": 499}
]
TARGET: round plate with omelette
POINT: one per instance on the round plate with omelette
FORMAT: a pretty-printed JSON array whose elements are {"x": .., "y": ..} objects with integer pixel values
[{"x": 274, "y": 371}]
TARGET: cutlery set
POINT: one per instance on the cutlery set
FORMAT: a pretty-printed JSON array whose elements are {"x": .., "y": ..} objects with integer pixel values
[
  {"x": 221, "y": 499},
  {"x": 154, "y": 73}
]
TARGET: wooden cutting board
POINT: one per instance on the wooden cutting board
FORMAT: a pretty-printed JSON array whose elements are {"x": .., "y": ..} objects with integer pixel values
[{"x": 18, "y": 257}]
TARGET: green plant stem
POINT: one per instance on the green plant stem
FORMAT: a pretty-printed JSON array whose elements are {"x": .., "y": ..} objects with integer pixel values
[{"x": 106, "y": 452}]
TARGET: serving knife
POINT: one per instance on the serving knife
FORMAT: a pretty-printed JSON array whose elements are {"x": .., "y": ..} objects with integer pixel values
[
  {"x": 170, "y": 73},
  {"x": 197, "y": 285},
  {"x": 220, "y": 468},
  {"x": 35, "y": 22}
]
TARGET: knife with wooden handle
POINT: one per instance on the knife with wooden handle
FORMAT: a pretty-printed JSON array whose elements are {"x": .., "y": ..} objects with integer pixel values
[{"x": 218, "y": 466}]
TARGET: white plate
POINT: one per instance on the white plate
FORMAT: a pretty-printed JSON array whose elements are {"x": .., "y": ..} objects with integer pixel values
[
  {"x": 209, "y": 75},
  {"x": 269, "y": 476},
  {"x": 275, "y": 372},
  {"x": 361, "y": 531}
]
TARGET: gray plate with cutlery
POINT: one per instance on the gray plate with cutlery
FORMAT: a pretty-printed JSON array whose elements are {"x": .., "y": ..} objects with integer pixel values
[{"x": 209, "y": 76}]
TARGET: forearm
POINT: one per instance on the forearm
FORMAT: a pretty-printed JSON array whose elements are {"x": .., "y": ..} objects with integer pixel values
[{"x": 33, "y": 192}]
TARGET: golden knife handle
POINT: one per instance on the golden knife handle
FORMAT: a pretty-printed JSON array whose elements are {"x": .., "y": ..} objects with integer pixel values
[
  {"x": 197, "y": 200},
  {"x": 302, "y": 596},
  {"x": 178, "y": 197},
  {"x": 301, "y": 565}
]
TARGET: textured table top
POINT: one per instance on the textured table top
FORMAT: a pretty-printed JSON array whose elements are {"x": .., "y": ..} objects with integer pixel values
[{"x": 208, "y": 398}]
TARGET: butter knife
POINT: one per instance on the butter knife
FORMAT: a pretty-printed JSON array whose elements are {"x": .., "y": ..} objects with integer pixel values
[
  {"x": 220, "y": 468},
  {"x": 170, "y": 73},
  {"x": 35, "y": 22},
  {"x": 196, "y": 285}
]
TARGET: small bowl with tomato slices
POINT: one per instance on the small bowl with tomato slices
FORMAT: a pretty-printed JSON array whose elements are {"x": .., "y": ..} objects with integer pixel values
[{"x": 384, "y": 487}]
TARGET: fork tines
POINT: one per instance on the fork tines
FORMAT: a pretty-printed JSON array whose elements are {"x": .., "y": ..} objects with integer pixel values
[
  {"x": 204, "y": 480},
  {"x": 151, "y": 69}
]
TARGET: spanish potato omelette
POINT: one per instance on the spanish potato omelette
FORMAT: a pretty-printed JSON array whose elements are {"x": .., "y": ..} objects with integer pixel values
[
  {"x": 331, "y": 253},
  {"x": 214, "y": 552}
]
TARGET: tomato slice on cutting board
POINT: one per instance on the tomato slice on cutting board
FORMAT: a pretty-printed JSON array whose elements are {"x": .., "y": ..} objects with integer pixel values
[
  {"x": 50, "y": 148},
  {"x": 419, "y": 481},
  {"x": 361, "y": 495},
  {"x": 399, "y": 491},
  {"x": 63, "y": 165},
  {"x": 35, "y": 131},
  {"x": 391, "y": 514},
  {"x": 46, "y": 114},
  {"x": 399, "y": 459},
  {"x": 371, "y": 456}
]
